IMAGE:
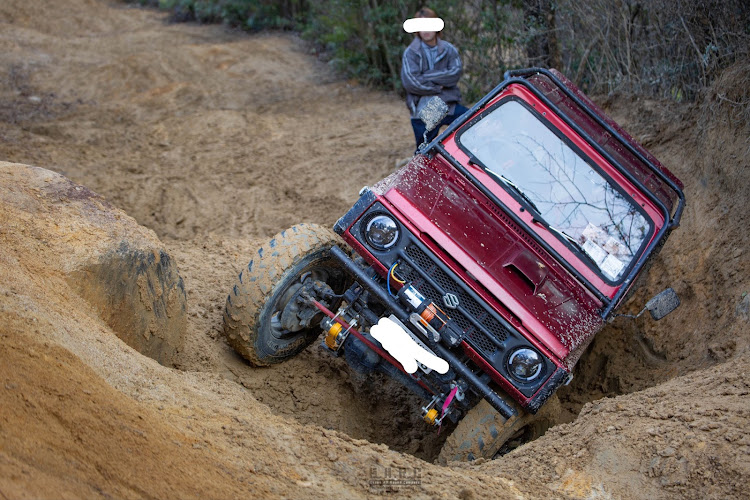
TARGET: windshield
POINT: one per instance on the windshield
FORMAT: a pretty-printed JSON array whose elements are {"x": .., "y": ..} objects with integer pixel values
[{"x": 523, "y": 153}]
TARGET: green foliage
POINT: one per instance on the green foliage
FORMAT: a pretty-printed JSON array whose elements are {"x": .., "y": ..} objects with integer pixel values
[
  {"x": 362, "y": 39},
  {"x": 659, "y": 47},
  {"x": 487, "y": 33}
]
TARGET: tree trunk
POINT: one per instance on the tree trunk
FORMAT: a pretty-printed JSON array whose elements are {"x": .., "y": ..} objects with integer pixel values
[{"x": 542, "y": 48}]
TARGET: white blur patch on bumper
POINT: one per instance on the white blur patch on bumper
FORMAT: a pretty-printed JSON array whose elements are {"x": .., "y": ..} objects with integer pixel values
[{"x": 401, "y": 346}]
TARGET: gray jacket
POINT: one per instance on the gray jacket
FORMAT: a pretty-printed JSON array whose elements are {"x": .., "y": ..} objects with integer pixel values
[{"x": 441, "y": 80}]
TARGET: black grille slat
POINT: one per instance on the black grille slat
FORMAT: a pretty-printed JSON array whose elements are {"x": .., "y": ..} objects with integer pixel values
[
  {"x": 481, "y": 341},
  {"x": 484, "y": 332}
]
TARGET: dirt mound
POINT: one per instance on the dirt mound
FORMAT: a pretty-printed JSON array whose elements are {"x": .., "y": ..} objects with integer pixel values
[
  {"x": 686, "y": 438},
  {"x": 216, "y": 141},
  {"x": 117, "y": 266}
]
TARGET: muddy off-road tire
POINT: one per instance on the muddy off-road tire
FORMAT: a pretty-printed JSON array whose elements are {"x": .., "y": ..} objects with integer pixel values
[
  {"x": 484, "y": 433},
  {"x": 264, "y": 288}
]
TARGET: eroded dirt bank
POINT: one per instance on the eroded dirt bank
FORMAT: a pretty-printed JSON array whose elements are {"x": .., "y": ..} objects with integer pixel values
[
  {"x": 85, "y": 416},
  {"x": 216, "y": 141}
]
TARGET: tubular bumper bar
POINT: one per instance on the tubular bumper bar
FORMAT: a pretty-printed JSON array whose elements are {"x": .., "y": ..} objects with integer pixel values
[{"x": 478, "y": 385}]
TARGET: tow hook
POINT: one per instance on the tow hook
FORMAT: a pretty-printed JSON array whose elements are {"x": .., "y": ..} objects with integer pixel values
[{"x": 430, "y": 413}]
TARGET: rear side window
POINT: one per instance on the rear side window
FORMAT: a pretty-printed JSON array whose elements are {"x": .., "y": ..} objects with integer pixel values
[{"x": 515, "y": 146}]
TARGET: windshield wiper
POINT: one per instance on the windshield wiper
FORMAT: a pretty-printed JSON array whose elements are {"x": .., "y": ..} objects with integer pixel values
[
  {"x": 517, "y": 189},
  {"x": 538, "y": 219},
  {"x": 573, "y": 242}
]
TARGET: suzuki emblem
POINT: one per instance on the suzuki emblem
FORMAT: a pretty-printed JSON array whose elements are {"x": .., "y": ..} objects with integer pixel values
[{"x": 450, "y": 301}]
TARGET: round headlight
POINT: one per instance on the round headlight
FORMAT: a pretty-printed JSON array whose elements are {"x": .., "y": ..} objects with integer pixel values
[
  {"x": 525, "y": 364},
  {"x": 381, "y": 232}
]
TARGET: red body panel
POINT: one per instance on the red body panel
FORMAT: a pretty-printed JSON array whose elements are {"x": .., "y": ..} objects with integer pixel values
[{"x": 551, "y": 306}]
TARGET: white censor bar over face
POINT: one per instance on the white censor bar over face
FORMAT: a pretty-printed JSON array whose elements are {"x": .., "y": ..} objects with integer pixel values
[
  {"x": 405, "y": 349},
  {"x": 423, "y": 24}
]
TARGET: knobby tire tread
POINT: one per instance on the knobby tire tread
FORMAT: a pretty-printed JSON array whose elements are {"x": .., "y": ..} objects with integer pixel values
[{"x": 256, "y": 284}]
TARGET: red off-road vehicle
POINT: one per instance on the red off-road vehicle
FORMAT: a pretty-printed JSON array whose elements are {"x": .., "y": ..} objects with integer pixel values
[{"x": 478, "y": 273}]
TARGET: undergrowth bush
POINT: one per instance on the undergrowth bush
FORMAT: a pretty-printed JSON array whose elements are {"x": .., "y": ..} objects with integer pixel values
[{"x": 666, "y": 48}]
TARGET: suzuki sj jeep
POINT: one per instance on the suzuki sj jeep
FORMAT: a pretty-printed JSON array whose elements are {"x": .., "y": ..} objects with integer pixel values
[{"x": 478, "y": 273}]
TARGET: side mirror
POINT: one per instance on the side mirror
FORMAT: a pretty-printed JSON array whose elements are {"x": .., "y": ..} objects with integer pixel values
[
  {"x": 432, "y": 111},
  {"x": 663, "y": 304},
  {"x": 659, "y": 306}
]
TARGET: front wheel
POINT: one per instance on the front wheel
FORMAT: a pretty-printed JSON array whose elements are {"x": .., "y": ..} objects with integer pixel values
[
  {"x": 265, "y": 320},
  {"x": 484, "y": 433}
]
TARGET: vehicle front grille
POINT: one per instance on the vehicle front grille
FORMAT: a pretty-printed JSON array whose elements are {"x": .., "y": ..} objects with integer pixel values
[{"x": 483, "y": 331}]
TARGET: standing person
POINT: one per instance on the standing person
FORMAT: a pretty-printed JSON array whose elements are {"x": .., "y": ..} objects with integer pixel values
[{"x": 430, "y": 67}]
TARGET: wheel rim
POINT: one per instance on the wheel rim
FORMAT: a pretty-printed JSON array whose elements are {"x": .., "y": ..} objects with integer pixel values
[{"x": 285, "y": 336}]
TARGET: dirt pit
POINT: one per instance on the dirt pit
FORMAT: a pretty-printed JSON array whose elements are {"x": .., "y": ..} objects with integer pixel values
[{"x": 218, "y": 140}]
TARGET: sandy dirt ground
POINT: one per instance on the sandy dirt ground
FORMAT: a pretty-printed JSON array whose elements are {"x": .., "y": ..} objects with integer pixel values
[{"x": 215, "y": 141}]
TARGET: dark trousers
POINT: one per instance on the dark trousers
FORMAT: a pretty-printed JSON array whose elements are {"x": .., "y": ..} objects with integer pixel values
[{"x": 419, "y": 128}]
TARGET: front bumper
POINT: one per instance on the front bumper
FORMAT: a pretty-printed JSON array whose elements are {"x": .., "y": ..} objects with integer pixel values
[{"x": 478, "y": 385}]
